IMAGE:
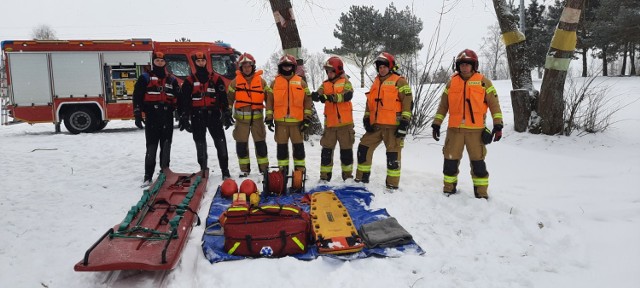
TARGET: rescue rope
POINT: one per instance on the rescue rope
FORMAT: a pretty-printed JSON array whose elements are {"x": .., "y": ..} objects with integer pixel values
[{"x": 276, "y": 183}]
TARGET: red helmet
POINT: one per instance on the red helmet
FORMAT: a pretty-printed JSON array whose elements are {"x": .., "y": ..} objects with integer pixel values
[
  {"x": 228, "y": 188},
  {"x": 335, "y": 63},
  {"x": 467, "y": 56},
  {"x": 246, "y": 57},
  {"x": 386, "y": 59},
  {"x": 287, "y": 59},
  {"x": 248, "y": 187}
]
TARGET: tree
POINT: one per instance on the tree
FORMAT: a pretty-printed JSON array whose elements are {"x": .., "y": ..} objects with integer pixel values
[
  {"x": 43, "y": 32},
  {"x": 585, "y": 33},
  {"x": 401, "y": 30},
  {"x": 493, "y": 50},
  {"x": 537, "y": 36}
]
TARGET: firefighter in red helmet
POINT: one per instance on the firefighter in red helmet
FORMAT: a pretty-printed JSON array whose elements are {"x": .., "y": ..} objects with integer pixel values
[
  {"x": 336, "y": 93},
  {"x": 247, "y": 93},
  {"x": 466, "y": 98},
  {"x": 156, "y": 93},
  {"x": 289, "y": 110},
  {"x": 205, "y": 106},
  {"x": 386, "y": 119}
]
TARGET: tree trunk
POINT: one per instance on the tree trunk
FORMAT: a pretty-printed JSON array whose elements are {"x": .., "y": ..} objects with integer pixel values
[
  {"x": 632, "y": 56},
  {"x": 605, "y": 62},
  {"x": 563, "y": 44},
  {"x": 362, "y": 71},
  {"x": 623, "y": 71},
  {"x": 291, "y": 44},
  {"x": 514, "y": 41},
  {"x": 584, "y": 62}
]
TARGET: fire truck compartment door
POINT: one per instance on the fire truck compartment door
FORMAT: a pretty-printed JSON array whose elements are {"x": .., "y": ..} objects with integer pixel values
[
  {"x": 30, "y": 83},
  {"x": 76, "y": 74},
  {"x": 117, "y": 58}
]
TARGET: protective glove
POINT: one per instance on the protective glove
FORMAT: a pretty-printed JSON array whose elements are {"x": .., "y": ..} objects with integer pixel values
[
  {"x": 486, "y": 136},
  {"x": 305, "y": 125},
  {"x": 315, "y": 96},
  {"x": 138, "y": 115},
  {"x": 401, "y": 131},
  {"x": 227, "y": 119},
  {"x": 367, "y": 124},
  {"x": 269, "y": 123},
  {"x": 436, "y": 132},
  {"x": 497, "y": 132},
  {"x": 183, "y": 123},
  {"x": 331, "y": 98}
]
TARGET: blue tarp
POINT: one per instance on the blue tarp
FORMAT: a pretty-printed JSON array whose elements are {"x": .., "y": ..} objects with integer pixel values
[{"x": 355, "y": 198}]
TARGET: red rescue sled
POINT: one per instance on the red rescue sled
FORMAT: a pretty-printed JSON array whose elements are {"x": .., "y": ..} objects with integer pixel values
[{"x": 155, "y": 230}]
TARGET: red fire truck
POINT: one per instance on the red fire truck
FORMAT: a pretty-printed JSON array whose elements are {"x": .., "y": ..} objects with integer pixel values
[{"x": 87, "y": 83}]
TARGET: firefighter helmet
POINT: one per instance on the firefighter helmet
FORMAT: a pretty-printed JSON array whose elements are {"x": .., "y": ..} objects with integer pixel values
[
  {"x": 228, "y": 188},
  {"x": 248, "y": 187},
  {"x": 335, "y": 63},
  {"x": 467, "y": 56},
  {"x": 287, "y": 59},
  {"x": 246, "y": 58},
  {"x": 386, "y": 59}
]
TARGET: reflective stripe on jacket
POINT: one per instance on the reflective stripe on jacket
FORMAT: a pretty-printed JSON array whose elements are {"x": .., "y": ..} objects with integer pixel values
[
  {"x": 336, "y": 114},
  {"x": 203, "y": 94},
  {"x": 383, "y": 101},
  {"x": 159, "y": 90},
  {"x": 288, "y": 98}
]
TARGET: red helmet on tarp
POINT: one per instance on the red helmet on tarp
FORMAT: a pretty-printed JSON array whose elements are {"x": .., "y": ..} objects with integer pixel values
[
  {"x": 228, "y": 188},
  {"x": 248, "y": 187},
  {"x": 467, "y": 56}
]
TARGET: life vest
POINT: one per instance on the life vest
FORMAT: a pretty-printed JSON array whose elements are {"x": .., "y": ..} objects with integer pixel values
[
  {"x": 383, "y": 101},
  {"x": 159, "y": 90},
  {"x": 249, "y": 93},
  {"x": 336, "y": 114},
  {"x": 203, "y": 94},
  {"x": 464, "y": 98},
  {"x": 288, "y": 98}
]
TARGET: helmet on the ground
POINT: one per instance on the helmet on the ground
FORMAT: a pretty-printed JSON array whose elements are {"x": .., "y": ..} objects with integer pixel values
[
  {"x": 386, "y": 59},
  {"x": 467, "y": 56},
  {"x": 335, "y": 63},
  {"x": 228, "y": 188},
  {"x": 248, "y": 187}
]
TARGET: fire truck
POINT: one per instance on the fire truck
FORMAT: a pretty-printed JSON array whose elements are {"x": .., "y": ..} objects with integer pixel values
[{"x": 87, "y": 83}]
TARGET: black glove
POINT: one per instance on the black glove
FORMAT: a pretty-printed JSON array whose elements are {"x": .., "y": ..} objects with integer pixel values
[
  {"x": 401, "y": 131},
  {"x": 138, "y": 115},
  {"x": 331, "y": 98},
  {"x": 305, "y": 125},
  {"x": 367, "y": 124},
  {"x": 183, "y": 123},
  {"x": 497, "y": 132},
  {"x": 269, "y": 123},
  {"x": 436, "y": 132},
  {"x": 227, "y": 119},
  {"x": 315, "y": 96},
  {"x": 487, "y": 136}
]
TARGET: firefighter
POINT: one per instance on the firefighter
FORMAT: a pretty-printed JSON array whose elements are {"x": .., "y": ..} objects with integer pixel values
[
  {"x": 466, "y": 98},
  {"x": 386, "y": 119},
  {"x": 289, "y": 107},
  {"x": 155, "y": 93},
  {"x": 336, "y": 93},
  {"x": 205, "y": 107},
  {"x": 247, "y": 95}
]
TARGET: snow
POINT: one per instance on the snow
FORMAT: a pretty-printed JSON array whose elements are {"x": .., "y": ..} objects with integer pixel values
[{"x": 563, "y": 212}]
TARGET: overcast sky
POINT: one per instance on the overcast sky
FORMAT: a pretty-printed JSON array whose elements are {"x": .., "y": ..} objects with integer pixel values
[{"x": 247, "y": 25}]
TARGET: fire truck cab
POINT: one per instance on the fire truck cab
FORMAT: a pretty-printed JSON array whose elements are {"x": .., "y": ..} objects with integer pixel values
[{"x": 86, "y": 83}]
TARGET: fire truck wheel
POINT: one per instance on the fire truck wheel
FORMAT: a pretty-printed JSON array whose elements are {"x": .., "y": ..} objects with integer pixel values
[
  {"x": 100, "y": 124},
  {"x": 80, "y": 120}
]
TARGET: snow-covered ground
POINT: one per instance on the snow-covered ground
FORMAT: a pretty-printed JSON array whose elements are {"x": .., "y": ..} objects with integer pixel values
[{"x": 564, "y": 211}]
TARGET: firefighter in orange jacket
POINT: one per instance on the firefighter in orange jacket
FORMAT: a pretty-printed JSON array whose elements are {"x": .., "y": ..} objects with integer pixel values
[
  {"x": 289, "y": 107},
  {"x": 336, "y": 93},
  {"x": 205, "y": 107},
  {"x": 386, "y": 119},
  {"x": 155, "y": 93},
  {"x": 247, "y": 95},
  {"x": 466, "y": 98}
]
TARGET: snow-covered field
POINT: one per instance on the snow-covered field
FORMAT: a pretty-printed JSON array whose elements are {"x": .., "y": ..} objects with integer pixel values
[{"x": 564, "y": 211}]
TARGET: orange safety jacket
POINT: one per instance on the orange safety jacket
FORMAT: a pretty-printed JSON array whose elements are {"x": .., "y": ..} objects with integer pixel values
[
  {"x": 383, "y": 101},
  {"x": 336, "y": 114},
  {"x": 160, "y": 90},
  {"x": 288, "y": 98},
  {"x": 249, "y": 93},
  {"x": 203, "y": 95},
  {"x": 467, "y": 107}
]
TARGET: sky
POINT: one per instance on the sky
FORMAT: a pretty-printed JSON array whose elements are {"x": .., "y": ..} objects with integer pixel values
[
  {"x": 563, "y": 211},
  {"x": 248, "y": 25}
]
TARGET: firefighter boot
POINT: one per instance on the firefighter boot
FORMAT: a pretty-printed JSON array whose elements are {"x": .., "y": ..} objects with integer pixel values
[
  {"x": 449, "y": 189},
  {"x": 346, "y": 175},
  {"x": 481, "y": 192},
  {"x": 325, "y": 176},
  {"x": 364, "y": 178}
]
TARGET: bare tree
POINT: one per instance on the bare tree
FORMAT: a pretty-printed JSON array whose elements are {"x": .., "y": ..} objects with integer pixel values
[
  {"x": 43, "y": 32},
  {"x": 493, "y": 50}
]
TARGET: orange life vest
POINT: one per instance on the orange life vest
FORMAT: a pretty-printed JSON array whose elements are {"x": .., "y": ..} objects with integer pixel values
[
  {"x": 337, "y": 114},
  {"x": 203, "y": 94},
  {"x": 288, "y": 98},
  {"x": 464, "y": 98},
  {"x": 249, "y": 93},
  {"x": 159, "y": 89},
  {"x": 383, "y": 101}
]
